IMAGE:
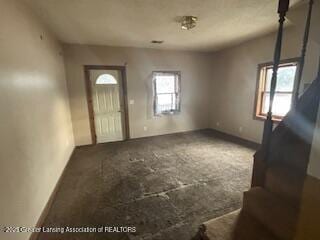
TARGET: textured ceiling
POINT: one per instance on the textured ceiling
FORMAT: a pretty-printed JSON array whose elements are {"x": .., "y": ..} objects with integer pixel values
[{"x": 135, "y": 23}]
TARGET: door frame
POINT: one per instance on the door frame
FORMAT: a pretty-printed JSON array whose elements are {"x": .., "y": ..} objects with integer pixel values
[{"x": 122, "y": 69}]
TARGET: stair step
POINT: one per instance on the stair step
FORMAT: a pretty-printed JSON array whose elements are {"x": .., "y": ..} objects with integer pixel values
[
  {"x": 275, "y": 214},
  {"x": 285, "y": 182},
  {"x": 248, "y": 228},
  {"x": 221, "y": 228},
  {"x": 234, "y": 226}
]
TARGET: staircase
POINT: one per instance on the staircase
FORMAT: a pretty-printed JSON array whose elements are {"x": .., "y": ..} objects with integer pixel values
[{"x": 271, "y": 207}]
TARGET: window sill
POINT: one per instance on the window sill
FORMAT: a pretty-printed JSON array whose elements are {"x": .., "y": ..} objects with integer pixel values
[
  {"x": 166, "y": 113},
  {"x": 263, "y": 118}
]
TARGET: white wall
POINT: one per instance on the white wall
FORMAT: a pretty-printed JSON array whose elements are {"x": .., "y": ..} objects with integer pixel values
[
  {"x": 35, "y": 126},
  {"x": 195, "y": 77}
]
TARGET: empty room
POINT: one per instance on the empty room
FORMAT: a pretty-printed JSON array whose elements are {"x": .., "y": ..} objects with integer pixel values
[{"x": 160, "y": 120}]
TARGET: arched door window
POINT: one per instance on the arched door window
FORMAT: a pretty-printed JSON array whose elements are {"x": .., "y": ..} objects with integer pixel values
[{"x": 106, "y": 79}]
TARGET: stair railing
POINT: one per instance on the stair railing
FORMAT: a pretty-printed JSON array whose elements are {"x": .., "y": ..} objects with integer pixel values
[
  {"x": 303, "y": 53},
  {"x": 283, "y": 8},
  {"x": 301, "y": 119}
]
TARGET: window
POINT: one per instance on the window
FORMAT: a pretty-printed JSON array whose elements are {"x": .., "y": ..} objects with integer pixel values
[
  {"x": 284, "y": 89},
  {"x": 106, "y": 79},
  {"x": 166, "y": 88}
]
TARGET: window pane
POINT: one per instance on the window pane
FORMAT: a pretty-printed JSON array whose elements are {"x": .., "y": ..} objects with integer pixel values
[
  {"x": 285, "y": 81},
  {"x": 281, "y": 104},
  {"x": 165, "y": 83},
  {"x": 166, "y": 102},
  {"x": 106, "y": 79},
  {"x": 166, "y": 95}
]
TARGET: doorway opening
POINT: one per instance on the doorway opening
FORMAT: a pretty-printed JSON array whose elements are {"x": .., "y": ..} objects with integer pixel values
[{"x": 107, "y": 103}]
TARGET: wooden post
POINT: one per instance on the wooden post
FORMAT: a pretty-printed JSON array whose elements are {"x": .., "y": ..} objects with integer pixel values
[
  {"x": 268, "y": 124},
  {"x": 318, "y": 76},
  {"x": 303, "y": 52}
]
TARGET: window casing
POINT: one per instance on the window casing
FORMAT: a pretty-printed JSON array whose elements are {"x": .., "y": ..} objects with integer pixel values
[
  {"x": 166, "y": 92},
  {"x": 284, "y": 90}
]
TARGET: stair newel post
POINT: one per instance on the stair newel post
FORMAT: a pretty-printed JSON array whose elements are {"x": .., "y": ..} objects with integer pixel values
[
  {"x": 303, "y": 52},
  {"x": 261, "y": 158},
  {"x": 268, "y": 124}
]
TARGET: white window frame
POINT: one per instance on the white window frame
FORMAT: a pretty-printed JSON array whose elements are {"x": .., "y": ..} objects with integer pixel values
[{"x": 176, "y": 93}]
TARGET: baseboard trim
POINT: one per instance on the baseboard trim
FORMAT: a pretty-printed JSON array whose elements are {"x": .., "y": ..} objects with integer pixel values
[
  {"x": 236, "y": 139},
  {"x": 45, "y": 211},
  {"x": 146, "y": 137},
  {"x": 168, "y": 134},
  {"x": 217, "y": 133}
]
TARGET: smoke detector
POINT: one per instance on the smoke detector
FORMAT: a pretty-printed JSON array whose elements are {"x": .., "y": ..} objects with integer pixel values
[{"x": 188, "y": 22}]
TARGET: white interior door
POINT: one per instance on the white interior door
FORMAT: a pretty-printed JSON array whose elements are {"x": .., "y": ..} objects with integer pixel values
[{"x": 107, "y": 100}]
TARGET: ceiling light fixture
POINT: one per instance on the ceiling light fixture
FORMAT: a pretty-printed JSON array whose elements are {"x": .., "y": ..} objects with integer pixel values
[{"x": 188, "y": 22}]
